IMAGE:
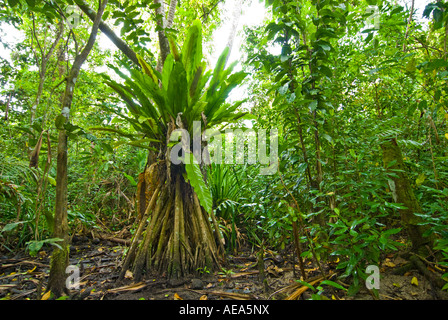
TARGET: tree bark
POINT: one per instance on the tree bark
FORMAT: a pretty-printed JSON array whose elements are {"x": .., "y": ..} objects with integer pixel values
[
  {"x": 60, "y": 256},
  {"x": 171, "y": 13},
  {"x": 402, "y": 192},
  {"x": 163, "y": 39}
]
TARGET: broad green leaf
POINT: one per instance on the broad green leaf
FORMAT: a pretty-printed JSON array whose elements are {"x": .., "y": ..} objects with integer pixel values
[
  {"x": 35, "y": 245},
  {"x": 194, "y": 176},
  {"x": 177, "y": 93},
  {"x": 12, "y": 226},
  {"x": 131, "y": 179},
  {"x": 328, "y": 138},
  {"x": 166, "y": 72},
  {"x": 147, "y": 68},
  {"x": 192, "y": 49},
  {"x": 306, "y": 284}
]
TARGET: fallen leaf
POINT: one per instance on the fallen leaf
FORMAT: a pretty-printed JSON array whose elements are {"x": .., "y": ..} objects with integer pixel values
[
  {"x": 132, "y": 287},
  {"x": 30, "y": 271},
  {"x": 438, "y": 268},
  {"x": 128, "y": 275},
  {"x": 203, "y": 297},
  {"x": 414, "y": 281},
  {"x": 177, "y": 297},
  {"x": 389, "y": 264},
  {"x": 431, "y": 269},
  {"x": 46, "y": 295}
]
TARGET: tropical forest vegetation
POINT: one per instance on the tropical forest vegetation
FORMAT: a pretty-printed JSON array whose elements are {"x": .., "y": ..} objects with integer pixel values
[{"x": 223, "y": 149}]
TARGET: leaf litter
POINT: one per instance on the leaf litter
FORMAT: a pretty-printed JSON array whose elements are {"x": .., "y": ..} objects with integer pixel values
[{"x": 24, "y": 278}]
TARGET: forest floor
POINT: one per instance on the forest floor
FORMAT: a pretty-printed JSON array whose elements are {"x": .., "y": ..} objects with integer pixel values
[{"x": 24, "y": 277}]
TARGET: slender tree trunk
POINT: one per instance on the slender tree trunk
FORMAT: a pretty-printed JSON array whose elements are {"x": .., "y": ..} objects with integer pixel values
[
  {"x": 60, "y": 256},
  {"x": 7, "y": 107},
  {"x": 171, "y": 13},
  {"x": 402, "y": 193},
  {"x": 163, "y": 40}
]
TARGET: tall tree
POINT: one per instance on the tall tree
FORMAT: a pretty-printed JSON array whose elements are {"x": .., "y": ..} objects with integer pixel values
[
  {"x": 60, "y": 256},
  {"x": 178, "y": 233}
]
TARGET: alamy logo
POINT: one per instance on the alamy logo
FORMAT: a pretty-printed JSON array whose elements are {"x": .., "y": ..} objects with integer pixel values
[
  {"x": 374, "y": 16},
  {"x": 373, "y": 280},
  {"x": 234, "y": 151},
  {"x": 73, "y": 16},
  {"x": 72, "y": 281}
]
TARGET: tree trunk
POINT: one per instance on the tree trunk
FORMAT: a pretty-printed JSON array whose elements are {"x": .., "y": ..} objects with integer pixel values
[
  {"x": 60, "y": 256},
  {"x": 163, "y": 40},
  {"x": 171, "y": 12},
  {"x": 402, "y": 192}
]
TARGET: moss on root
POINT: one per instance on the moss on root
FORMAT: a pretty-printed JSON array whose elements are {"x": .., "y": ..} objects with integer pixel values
[{"x": 58, "y": 264}]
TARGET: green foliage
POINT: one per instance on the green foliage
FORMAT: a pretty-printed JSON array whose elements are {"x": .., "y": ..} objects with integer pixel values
[
  {"x": 196, "y": 180},
  {"x": 226, "y": 189},
  {"x": 35, "y": 245},
  {"x": 181, "y": 95},
  {"x": 336, "y": 87},
  {"x": 333, "y": 84},
  {"x": 320, "y": 289},
  {"x": 183, "y": 90}
]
